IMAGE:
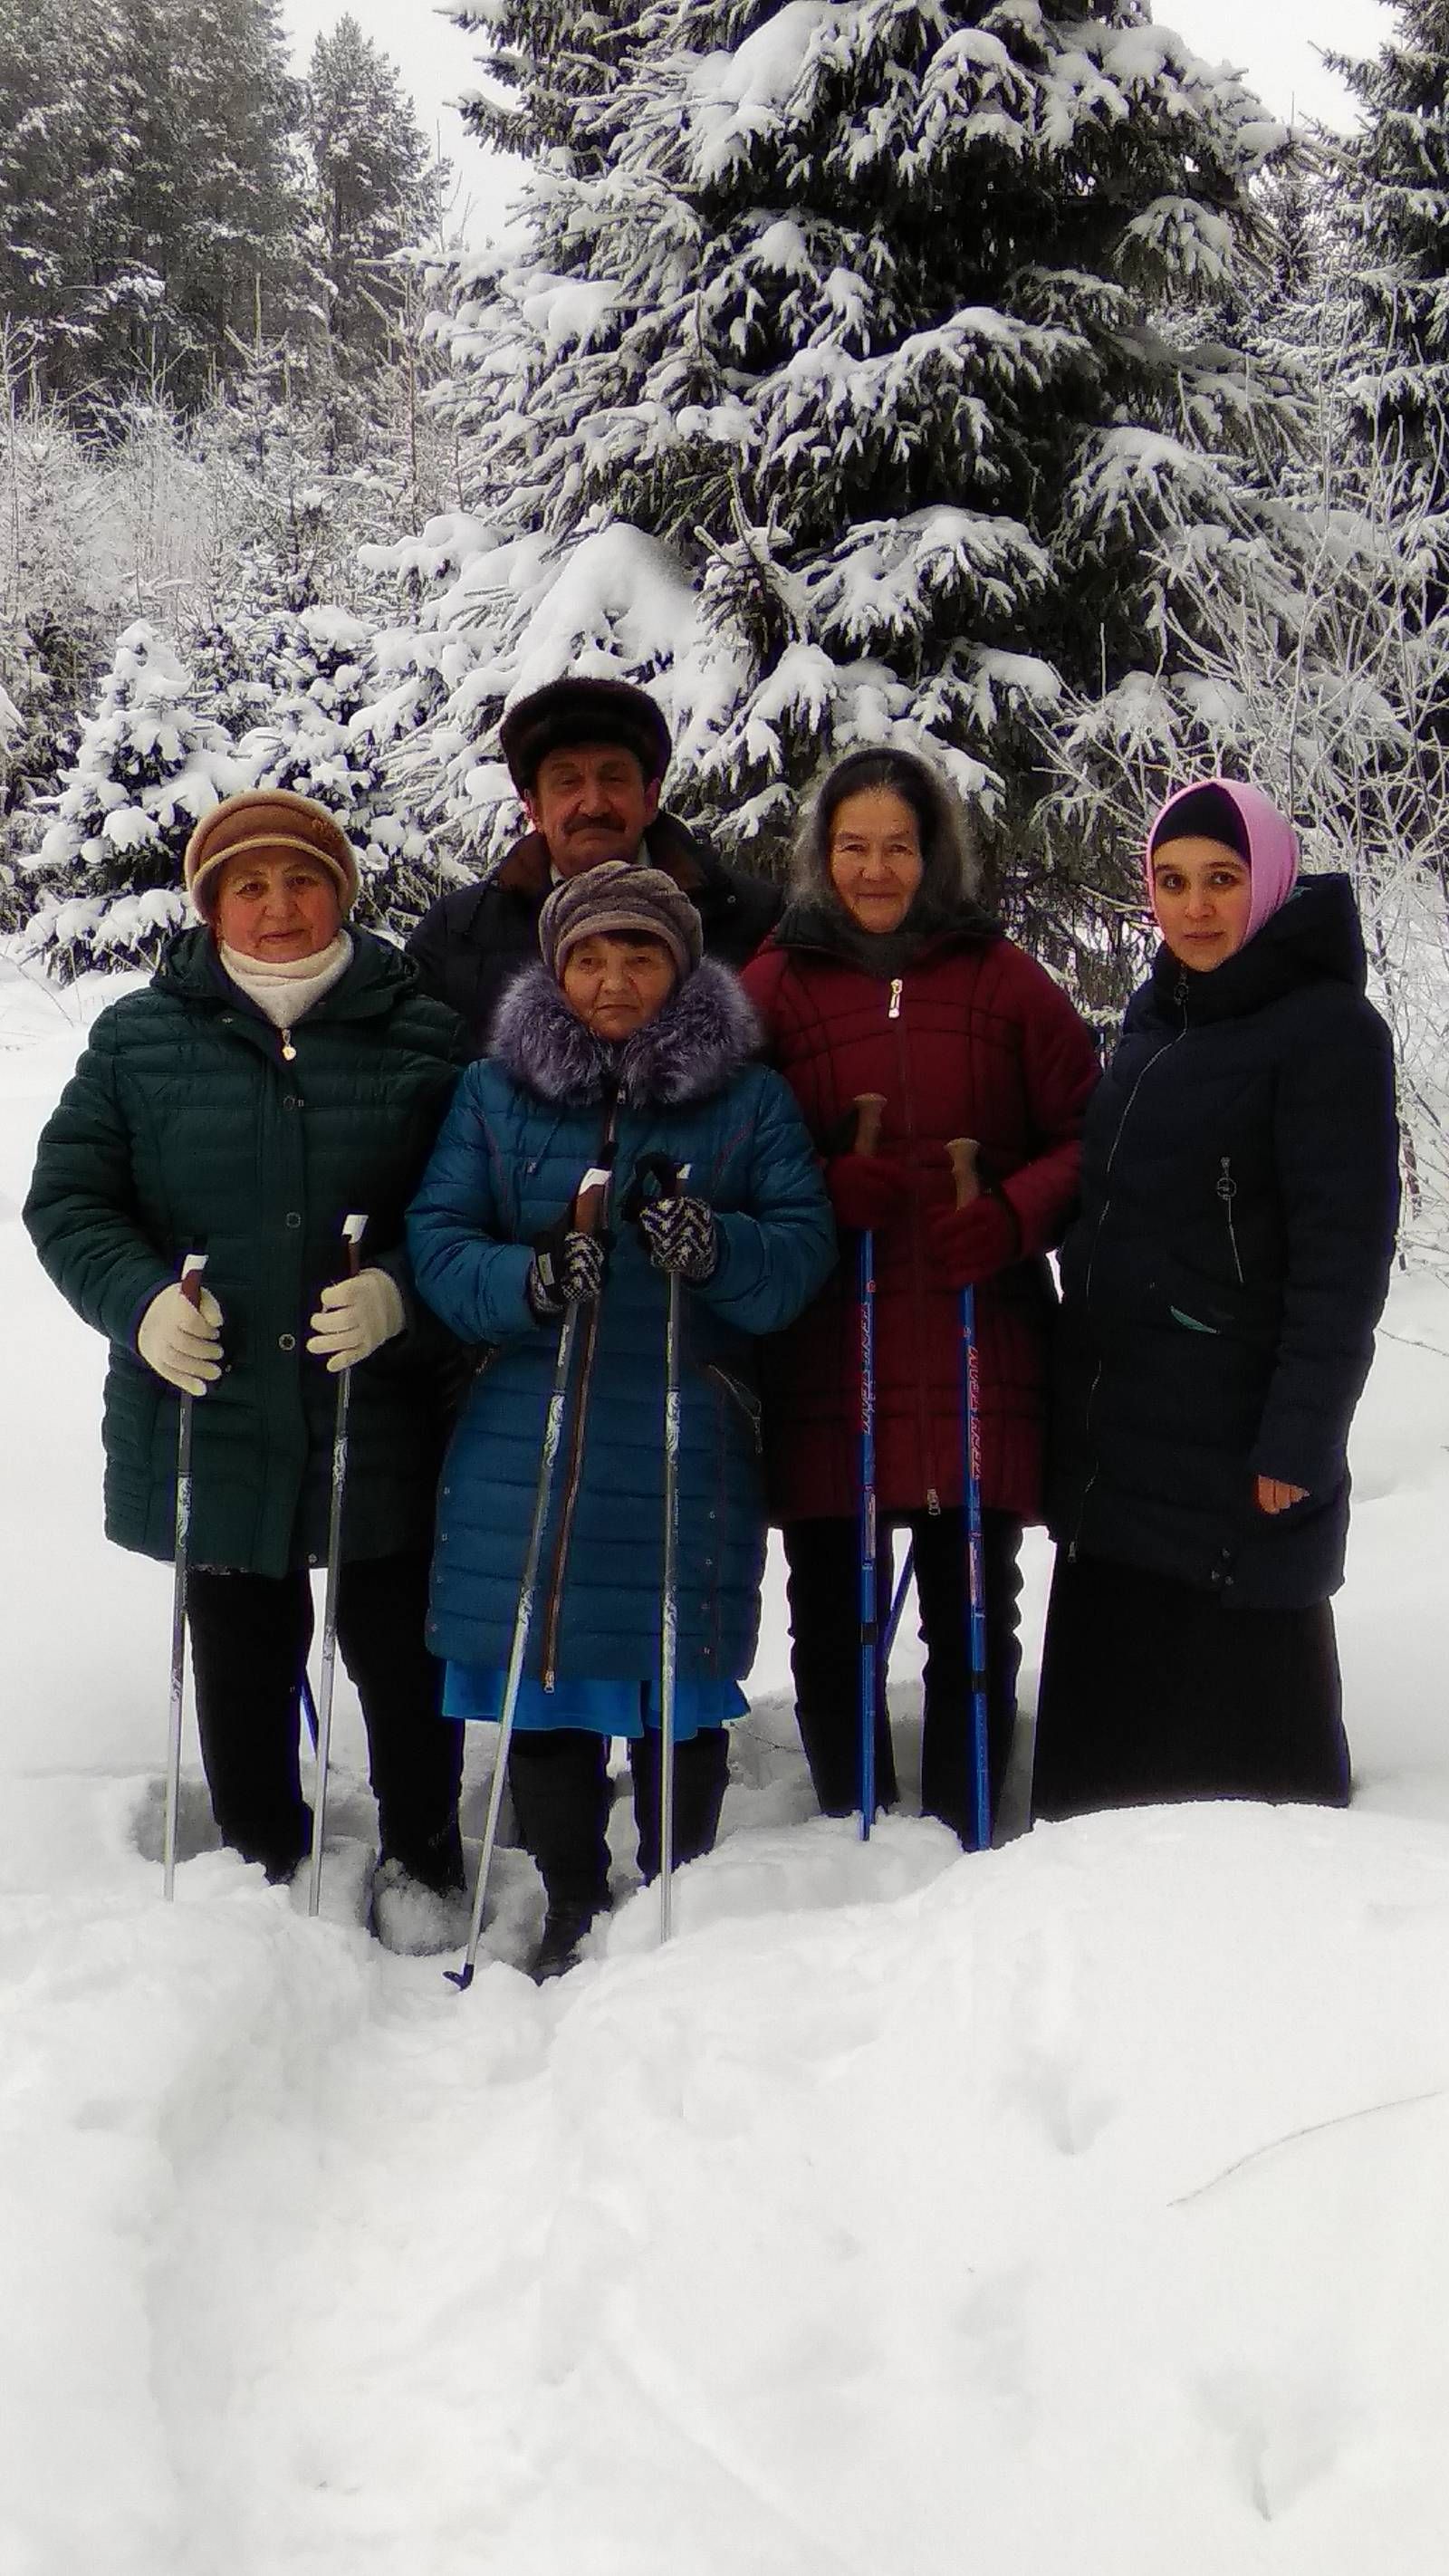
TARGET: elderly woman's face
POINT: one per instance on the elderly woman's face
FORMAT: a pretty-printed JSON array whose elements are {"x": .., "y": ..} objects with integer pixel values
[
  {"x": 278, "y": 905},
  {"x": 875, "y": 857},
  {"x": 617, "y": 980}
]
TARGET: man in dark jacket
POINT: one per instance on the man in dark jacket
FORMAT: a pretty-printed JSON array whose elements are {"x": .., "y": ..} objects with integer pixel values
[{"x": 588, "y": 758}]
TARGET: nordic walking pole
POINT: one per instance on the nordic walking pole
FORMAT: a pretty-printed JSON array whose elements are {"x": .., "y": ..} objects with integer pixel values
[
  {"x": 898, "y": 1606},
  {"x": 869, "y": 1112},
  {"x": 670, "y": 1185},
  {"x": 191, "y": 1270},
  {"x": 962, "y": 1152},
  {"x": 667, "y": 1180},
  {"x": 588, "y": 1210},
  {"x": 353, "y": 1230}
]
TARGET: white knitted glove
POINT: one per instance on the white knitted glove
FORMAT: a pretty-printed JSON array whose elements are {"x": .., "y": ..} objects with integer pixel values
[
  {"x": 357, "y": 1317},
  {"x": 181, "y": 1342}
]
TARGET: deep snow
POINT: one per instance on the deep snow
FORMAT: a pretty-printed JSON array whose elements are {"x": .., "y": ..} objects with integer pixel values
[{"x": 1076, "y": 2209}]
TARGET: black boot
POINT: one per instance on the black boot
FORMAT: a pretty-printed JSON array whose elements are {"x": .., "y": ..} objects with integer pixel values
[
  {"x": 565, "y": 1930},
  {"x": 701, "y": 1776},
  {"x": 560, "y": 1783}
]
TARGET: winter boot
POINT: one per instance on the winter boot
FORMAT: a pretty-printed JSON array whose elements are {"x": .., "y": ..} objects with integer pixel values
[
  {"x": 701, "y": 1776},
  {"x": 560, "y": 1784},
  {"x": 565, "y": 1930}
]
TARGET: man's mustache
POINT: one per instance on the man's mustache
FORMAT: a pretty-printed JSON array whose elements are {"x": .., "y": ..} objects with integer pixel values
[{"x": 595, "y": 823}]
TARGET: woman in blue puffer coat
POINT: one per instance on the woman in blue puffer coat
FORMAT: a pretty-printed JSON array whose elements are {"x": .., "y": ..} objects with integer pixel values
[
  {"x": 1220, "y": 1289},
  {"x": 621, "y": 1045}
]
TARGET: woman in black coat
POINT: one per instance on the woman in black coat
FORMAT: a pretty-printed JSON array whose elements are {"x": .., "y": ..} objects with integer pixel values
[{"x": 1220, "y": 1291}]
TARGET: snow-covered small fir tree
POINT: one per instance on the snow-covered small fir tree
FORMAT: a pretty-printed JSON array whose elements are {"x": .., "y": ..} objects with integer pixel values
[{"x": 108, "y": 871}]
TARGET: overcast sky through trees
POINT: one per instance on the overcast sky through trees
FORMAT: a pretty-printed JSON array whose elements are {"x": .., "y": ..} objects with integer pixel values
[{"x": 1279, "y": 48}]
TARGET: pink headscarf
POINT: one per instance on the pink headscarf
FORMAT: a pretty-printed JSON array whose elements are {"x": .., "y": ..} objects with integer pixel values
[{"x": 1272, "y": 844}]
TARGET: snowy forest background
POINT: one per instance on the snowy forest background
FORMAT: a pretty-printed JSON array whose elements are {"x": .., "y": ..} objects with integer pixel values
[{"x": 994, "y": 380}]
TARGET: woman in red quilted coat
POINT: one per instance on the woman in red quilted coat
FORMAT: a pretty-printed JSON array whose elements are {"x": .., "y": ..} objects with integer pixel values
[{"x": 885, "y": 976}]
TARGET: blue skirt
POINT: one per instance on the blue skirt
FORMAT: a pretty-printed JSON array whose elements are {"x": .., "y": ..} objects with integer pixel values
[{"x": 603, "y": 1708}]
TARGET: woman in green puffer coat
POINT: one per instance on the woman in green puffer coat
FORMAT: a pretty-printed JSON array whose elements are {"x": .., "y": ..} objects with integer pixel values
[{"x": 279, "y": 1074}]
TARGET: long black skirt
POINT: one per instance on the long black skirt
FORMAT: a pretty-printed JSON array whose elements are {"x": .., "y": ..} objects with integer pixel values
[{"x": 1152, "y": 1691}]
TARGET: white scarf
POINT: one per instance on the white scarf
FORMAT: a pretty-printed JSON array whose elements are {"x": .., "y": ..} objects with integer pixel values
[{"x": 287, "y": 989}]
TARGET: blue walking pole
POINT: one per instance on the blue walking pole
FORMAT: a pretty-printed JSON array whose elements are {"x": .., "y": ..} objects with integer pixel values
[
  {"x": 898, "y": 1607},
  {"x": 963, "y": 1152},
  {"x": 870, "y": 1110}
]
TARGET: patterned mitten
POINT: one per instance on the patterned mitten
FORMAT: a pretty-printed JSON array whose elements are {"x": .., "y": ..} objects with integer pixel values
[
  {"x": 681, "y": 1235},
  {"x": 567, "y": 1268}
]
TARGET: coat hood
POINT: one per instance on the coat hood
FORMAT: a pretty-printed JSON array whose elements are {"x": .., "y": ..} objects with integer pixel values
[
  {"x": 705, "y": 1035},
  {"x": 821, "y": 926},
  {"x": 1272, "y": 843},
  {"x": 1314, "y": 937}
]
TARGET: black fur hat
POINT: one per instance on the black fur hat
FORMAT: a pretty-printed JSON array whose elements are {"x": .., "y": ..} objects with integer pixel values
[{"x": 569, "y": 712}]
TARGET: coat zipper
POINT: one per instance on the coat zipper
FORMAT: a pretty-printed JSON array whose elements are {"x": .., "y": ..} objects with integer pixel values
[
  {"x": 1180, "y": 997},
  {"x": 1227, "y": 1190},
  {"x": 289, "y": 1052},
  {"x": 553, "y": 1609}
]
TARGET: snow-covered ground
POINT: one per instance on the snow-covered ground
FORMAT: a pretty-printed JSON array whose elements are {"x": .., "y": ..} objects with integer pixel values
[{"x": 1076, "y": 2210}]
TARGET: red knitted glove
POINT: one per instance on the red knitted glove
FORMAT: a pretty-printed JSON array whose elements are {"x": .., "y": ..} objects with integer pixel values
[
  {"x": 865, "y": 1190},
  {"x": 974, "y": 1242}
]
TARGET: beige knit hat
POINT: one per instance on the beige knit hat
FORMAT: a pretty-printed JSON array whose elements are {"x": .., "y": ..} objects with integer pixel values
[
  {"x": 615, "y": 896},
  {"x": 267, "y": 818}
]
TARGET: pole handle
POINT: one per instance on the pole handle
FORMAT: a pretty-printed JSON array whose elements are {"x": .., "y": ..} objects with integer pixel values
[
  {"x": 588, "y": 1209},
  {"x": 962, "y": 1153},
  {"x": 190, "y": 1282},
  {"x": 353, "y": 1230},
  {"x": 869, "y": 1107}
]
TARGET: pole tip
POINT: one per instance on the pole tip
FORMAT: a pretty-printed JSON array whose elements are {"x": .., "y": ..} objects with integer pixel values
[{"x": 462, "y": 1978}]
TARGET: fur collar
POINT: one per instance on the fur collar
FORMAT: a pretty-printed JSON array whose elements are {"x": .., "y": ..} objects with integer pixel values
[{"x": 705, "y": 1035}]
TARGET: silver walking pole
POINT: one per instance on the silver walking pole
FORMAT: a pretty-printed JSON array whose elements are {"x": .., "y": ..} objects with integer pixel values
[
  {"x": 191, "y": 1270},
  {"x": 668, "y": 1180},
  {"x": 353, "y": 1230},
  {"x": 588, "y": 1207}
]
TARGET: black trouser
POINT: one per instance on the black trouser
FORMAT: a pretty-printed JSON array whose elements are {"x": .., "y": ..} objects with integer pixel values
[
  {"x": 560, "y": 1781},
  {"x": 249, "y": 1639},
  {"x": 824, "y": 1587}
]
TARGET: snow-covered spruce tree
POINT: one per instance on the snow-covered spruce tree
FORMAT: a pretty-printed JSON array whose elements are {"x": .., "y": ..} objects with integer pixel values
[
  {"x": 1394, "y": 212},
  {"x": 317, "y": 676},
  {"x": 148, "y": 186},
  {"x": 108, "y": 871},
  {"x": 840, "y": 381},
  {"x": 372, "y": 195}
]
